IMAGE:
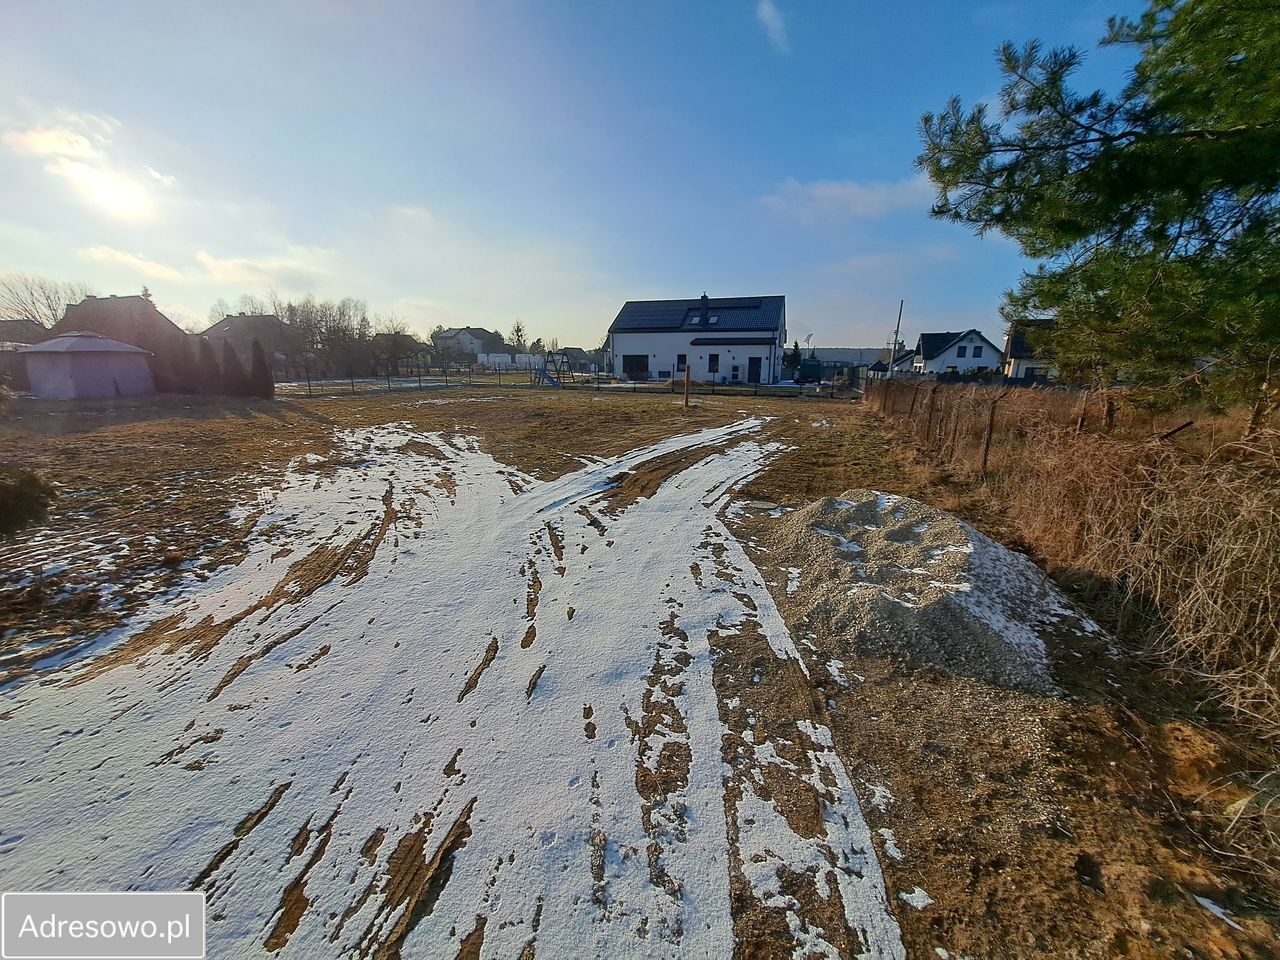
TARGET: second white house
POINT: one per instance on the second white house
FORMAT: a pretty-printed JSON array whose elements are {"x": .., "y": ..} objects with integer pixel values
[{"x": 720, "y": 339}]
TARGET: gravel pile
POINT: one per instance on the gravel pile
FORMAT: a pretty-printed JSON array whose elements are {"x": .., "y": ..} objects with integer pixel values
[{"x": 896, "y": 577}]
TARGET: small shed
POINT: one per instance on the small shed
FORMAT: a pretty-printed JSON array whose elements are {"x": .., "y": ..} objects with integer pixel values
[{"x": 87, "y": 366}]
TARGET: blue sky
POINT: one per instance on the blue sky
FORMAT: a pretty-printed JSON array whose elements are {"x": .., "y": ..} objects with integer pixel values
[{"x": 471, "y": 163}]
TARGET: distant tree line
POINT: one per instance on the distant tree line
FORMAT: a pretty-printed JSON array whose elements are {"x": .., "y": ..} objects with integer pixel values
[{"x": 329, "y": 338}]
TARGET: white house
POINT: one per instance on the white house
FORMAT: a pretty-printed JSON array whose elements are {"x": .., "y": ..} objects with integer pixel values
[
  {"x": 719, "y": 339},
  {"x": 1023, "y": 362},
  {"x": 967, "y": 352},
  {"x": 464, "y": 341},
  {"x": 902, "y": 360}
]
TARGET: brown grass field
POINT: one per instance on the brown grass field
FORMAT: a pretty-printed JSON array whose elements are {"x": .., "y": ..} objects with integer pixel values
[{"x": 1080, "y": 824}]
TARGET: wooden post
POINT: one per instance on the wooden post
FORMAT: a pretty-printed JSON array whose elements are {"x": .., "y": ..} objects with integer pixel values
[
  {"x": 911, "y": 412},
  {"x": 928, "y": 422},
  {"x": 991, "y": 426},
  {"x": 687, "y": 373}
]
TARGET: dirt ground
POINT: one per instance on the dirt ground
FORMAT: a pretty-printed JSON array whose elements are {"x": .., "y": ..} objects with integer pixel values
[{"x": 1079, "y": 823}]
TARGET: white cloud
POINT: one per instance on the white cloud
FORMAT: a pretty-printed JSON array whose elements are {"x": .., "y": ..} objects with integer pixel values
[
  {"x": 895, "y": 262},
  {"x": 848, "y": 199},
  {"x": 115, "y": 193},
  {"x": 77, "y": 147},
  {"x": 161, "y": 178},
  {"x": 412, "y": 215},
  {"x": 775, "y": 27},
  {"x": 148, "y": 268},
  {"x": 50, "y": 142},
  {"x": 100, "y": 126},
  {"x": 293, "y": 273}
]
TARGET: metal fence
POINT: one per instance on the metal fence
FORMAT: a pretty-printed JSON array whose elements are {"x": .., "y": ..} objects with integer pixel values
[
  {"x": 459, "y": 375},
  {"x": 975, "y": 423}
]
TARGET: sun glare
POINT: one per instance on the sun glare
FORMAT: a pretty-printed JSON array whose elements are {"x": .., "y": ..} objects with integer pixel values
[{"x": 113, "y": 193}]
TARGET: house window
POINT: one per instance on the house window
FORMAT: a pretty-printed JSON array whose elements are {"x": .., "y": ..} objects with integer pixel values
[
  {"x": 714, "y": 320},
  {"x": 682, "y": 360},
  {"x": 734, "y": 371},
  {"x": 977, "y": 352},
  {"x": 713, "y": 363},
  {"x": 960, "y": 351}
]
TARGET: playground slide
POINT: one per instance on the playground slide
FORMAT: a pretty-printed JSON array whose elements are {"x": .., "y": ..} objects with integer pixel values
[{"x": 542, "y": 372}]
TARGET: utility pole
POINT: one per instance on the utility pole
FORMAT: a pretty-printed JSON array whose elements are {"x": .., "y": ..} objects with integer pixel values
[{"x": 893, "y": 344}]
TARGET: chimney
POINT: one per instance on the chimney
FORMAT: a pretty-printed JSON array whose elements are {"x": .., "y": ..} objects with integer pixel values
[{"x": 706, "y": 306}]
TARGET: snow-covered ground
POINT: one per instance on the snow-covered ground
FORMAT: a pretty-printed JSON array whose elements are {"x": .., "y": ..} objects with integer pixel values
[{"x": 441, "y": 702}]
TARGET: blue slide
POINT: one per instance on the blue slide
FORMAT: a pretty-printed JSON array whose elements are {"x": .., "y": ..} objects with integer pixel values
[{"x": 542, "y": 372}]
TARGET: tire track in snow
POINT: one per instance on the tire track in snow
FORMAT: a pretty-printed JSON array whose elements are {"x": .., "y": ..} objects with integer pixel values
[{"x": 571, "y": 801}]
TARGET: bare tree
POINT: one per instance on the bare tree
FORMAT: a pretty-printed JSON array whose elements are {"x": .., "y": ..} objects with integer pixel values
[
  {"x": 26, "y": 296},
  {"x": 389, "y": 322},
  {"x": 219, "y": 310},
  {"x": 252, "y": 304}
]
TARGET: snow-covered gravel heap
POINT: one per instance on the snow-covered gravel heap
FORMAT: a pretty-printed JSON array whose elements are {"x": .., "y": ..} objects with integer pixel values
[{"x": 901, "y": 578}]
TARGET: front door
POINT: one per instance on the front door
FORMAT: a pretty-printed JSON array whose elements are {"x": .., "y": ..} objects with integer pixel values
[{"x": 753, "y": 370}]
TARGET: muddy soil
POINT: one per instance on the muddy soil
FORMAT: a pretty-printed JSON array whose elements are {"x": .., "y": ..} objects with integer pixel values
[{"x": 1017, "y": 813}]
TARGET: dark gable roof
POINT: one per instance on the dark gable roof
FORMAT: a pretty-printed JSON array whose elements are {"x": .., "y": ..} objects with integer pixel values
[
  {"x": 245, "y": 325},
  {"x": 21, "y": 331},
  {"x": 1016, "y": 346},
  {"x": 734, "y": 313},
  {"x": 882, "y": 358},
  {"x": 932, "y": 344},
  {"x": 490, "y": 342},
  {"x": 133, "y": 319}
]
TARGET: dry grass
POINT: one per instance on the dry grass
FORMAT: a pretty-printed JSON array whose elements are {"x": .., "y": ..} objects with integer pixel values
[{"x": 1173, "y": 541}]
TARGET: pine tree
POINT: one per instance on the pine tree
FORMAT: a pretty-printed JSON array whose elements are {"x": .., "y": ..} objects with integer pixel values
[
  {"x": 1154, "y": 211},
  {"x": 793, "y": 357},
  {"x": 208, "y": 376},
  {"x": 261, "y": 383},
  {"x": 235, "y": 383}
]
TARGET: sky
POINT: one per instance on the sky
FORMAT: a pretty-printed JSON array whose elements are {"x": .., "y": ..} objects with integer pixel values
[{"x": 475, "y": 163}]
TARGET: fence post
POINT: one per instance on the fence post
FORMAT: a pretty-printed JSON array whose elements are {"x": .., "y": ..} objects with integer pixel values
[
  {"x": 991, "y": 426},
  {"x": 928, "y": 422},
  {"x": 1084, "y": 409},
  {"x": 911, "y": 411},
  {"x": 949, "y": 448}
]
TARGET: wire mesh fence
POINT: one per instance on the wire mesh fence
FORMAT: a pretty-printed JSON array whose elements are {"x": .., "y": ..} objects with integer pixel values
[
  {"x": 1169, "y": 519},
  {"x": 980, "y": 425},
  {"x": 460, "y": 375}
]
